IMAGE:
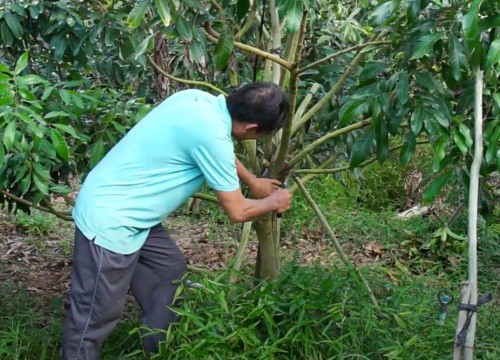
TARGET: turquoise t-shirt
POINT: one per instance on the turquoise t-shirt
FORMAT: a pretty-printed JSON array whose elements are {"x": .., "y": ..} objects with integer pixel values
[{"x": 156, "y": 167}]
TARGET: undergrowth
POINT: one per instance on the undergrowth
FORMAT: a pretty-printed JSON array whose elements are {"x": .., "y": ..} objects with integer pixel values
[{"x": 309, "y": 312}]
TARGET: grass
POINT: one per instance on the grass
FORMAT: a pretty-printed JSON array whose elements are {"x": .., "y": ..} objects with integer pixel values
[{"x": 310, "y": 312}]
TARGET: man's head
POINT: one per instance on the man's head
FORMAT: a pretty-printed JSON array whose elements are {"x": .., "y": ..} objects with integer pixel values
[{"x": 257, "y": 109}]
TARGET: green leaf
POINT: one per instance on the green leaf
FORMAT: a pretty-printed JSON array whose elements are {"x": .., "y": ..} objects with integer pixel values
[
  {"x": 441, "y": 118},
  {"x": 384, "y": 11},
  {"x": 7, "y": 37},
  {"x": 457, "y": 60},
  {"x": 293, "y": 16},
  {"x": 492, "y": 148},
  {"x": 400, "y": 322},
  {"x": 408, "y": 148},
  {"x": 395, "y": 120},
  {"x": 460, "y": 142},
  {"x": 97, "y": 154},
  {"x": 417, "y": 119},
  {"x": 56, "y": 114},
  {"x": 223, "y": 50},
  {"x": 382, "y": 139},
  {"x": 470, "y": 21},
  {"x": 352, "y": 110},
  {"x": 47, "y": 92},
  {"x": 184, "y": 28},
  {"x": 60, "y": 144},
  {"x": 424, "y": 45},
  {"x": 439, "y": 153},
  {"x": 493, "y": 56},
  {"x": 21, "y": 63},
  {"x": 30, "y": 79},
  {"x": 436, "y": 186},
  {"x": 2, "y": 155},
  {"x": 4, "y": 68},
  {"x": 465, "y": 131},
  {"x": 61, "y": 189},
  {"x": 371, "y": 70},
  {"x": 14, "y": 25},
  {"x": 403, "y": 88},
  {"x": 163, "y": 11},
  {"x": 361, "y": 148},
  {"x": 135, "y": 17},
  {"x": 242, "y": 8},
  {"x": 60, "y": 50},
  {"x": 25, "y": 184},
  {"x": 41, "y": 184},
  {"x": 413, "y": 10},
  {"x": 141, "y": 49},
  {"x": 41, "y": 171},
  {"x": 20, "y": 173},
  {"x": 70, "y": 130},
  {"x": 65, "y": 96},
  {"x": 120, "y": 128},
  {"x": 194, "y": 4},
  {"x": 196, "y": 51},
  {"x": 9, "y": 135}
]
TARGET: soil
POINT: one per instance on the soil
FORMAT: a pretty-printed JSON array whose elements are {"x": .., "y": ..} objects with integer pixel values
[{"x": 41, "y": 263}]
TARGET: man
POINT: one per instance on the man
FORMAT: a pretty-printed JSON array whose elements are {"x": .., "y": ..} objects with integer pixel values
[{"x": 119, "y": 240}]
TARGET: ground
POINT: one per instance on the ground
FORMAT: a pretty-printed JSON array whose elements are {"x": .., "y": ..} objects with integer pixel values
[{"x": 39, "y": 261}]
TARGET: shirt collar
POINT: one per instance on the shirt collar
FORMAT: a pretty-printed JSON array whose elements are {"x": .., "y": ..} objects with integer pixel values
[{"x": 227, "y": 117}]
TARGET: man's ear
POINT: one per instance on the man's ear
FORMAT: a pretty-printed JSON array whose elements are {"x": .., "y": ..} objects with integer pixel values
[{"x": 251, "y": 126}]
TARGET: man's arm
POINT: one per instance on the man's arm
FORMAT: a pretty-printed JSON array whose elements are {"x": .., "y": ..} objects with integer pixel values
[
  {"x": 259, "y": 187},
  {"x": 240, "y": 209}
]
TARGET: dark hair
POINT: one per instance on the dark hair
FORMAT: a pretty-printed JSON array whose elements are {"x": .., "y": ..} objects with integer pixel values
[{"x": 259, "y": 103}]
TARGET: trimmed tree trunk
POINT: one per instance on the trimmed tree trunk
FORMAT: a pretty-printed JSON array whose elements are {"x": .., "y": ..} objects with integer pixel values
[{"x": 267, "y": 266}]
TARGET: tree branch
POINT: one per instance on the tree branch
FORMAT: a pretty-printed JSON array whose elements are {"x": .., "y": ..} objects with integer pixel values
[
  {"x": 62, "y": 215},
  {"x": 249, "y": 22},
  {"x": 341, "y": 52},
  {"x": 213, "y": 36},
  {"x": 219, "y": 9},
  {"x": 301, "y": 155},
  {"x": 336, "y": 88},
  {"x": 184, "y": 81},
  {"x": 205, "y": 197},
  {"x": 287, "y": 128}
]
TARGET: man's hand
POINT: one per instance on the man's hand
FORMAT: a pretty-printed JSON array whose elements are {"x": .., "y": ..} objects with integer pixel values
[
  {"x": 263, "y": 187},
  {"x": 283, "y": 200},
  {"x": 240, "y": 209}
]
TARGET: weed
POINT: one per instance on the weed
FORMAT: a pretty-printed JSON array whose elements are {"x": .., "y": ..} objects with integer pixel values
[{"x": 36, "y": 223}]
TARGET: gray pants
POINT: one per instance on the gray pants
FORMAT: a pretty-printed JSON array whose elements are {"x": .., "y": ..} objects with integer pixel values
[{"x": 100, "y": 281}]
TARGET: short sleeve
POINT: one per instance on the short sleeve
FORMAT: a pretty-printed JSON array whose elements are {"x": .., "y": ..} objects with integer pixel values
[{"x": 216, "y": 161}]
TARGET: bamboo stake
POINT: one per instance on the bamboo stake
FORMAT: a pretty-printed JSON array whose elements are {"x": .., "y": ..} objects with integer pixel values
[
  {"x": 336, "y": 243},
  {"x": 473, "y": 201},
  {"x": 240, "y": 254}
]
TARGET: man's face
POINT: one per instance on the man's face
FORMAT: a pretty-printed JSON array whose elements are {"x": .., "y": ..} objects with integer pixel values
[{"x": 246, "y": 131}]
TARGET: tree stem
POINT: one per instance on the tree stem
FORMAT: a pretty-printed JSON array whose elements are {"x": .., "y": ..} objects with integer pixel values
[{"x": 473, "y": 203}]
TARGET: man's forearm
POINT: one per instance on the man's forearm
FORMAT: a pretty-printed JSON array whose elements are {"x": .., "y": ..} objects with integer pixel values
[{"x": 244, "y": 175}]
